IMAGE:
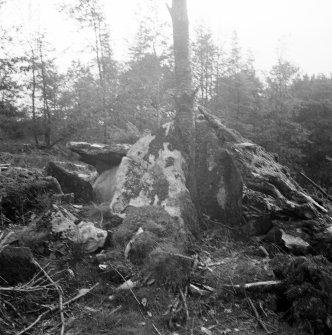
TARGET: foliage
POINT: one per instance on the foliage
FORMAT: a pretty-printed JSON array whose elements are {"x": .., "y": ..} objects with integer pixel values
[{"x": 285, "y": 111}]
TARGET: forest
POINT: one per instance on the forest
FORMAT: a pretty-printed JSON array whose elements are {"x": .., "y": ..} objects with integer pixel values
[
  {"x": 285, "y": 110},
  {"x": 175, "y": 190}
]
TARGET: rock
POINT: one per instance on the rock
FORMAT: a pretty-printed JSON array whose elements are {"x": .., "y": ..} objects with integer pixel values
[
  {"x": 89, "y": 237},
  {"x": 144, "y": 228},
  {"x": 16, "y": 265},
  {"x": 63, "y": 222},
  {"x": 67, "y": 198},
  {"x": 22, "y": 190},
  {"x": 218, "y": 179},
  {"x": 104, "y": 186},
  {"x": 151, "y": 237},
  {"x": 294, "y": 243},
  {"x": 102, "y": 156},
  {"x": 71, "y": 180},
  {"x": 154, "y": 173}
]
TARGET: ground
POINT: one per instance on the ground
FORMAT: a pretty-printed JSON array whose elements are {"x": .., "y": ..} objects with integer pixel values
[{"x": 221, "y": 259}]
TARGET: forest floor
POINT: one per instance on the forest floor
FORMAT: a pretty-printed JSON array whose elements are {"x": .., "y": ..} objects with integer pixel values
[
  {"x": 232, "y": 261},
  {"x": 208, "y": 305}
]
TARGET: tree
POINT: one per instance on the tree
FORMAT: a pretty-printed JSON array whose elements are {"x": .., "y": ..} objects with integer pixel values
[
  {"x": 205, "y": 63},
  {"x": 146, "y": 85},
  {"x": 184, "y": 94},
  {"x": 89, "y": 14},
  {"x": 10, "y": 89},
  {"x": 278, "y": 90},
  {"x": 313, "y": 112}
]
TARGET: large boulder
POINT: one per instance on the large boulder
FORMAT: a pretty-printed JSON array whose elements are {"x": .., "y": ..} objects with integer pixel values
[
  {"x": 154, "y": 174},
  {"x": 73, "y": 178},
  {"x": 102, "y": 156}
]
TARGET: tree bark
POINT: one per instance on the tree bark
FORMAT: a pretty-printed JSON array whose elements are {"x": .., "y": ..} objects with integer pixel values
[
  {"x": 47, "y": 114},
  {"x": 184, "y": 97},
  {"x": 183, "y": 75},
  {"x": 33, "y": 96}
]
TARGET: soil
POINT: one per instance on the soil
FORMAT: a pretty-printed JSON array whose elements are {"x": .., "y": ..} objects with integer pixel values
[{"x": 204, "y": 302}]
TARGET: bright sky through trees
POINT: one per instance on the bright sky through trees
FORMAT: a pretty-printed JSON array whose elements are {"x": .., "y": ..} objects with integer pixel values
[{"x": 298, "y": 30}]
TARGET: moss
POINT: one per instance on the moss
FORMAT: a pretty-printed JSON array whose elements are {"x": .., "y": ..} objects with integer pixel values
[
  {"x": 156, "y": 245},
  {"x": 167, "y": 265},
  {"x": 308, "y": 295},
  {"x": 142, "y": 246},
  {"x": 160, "y": 186},
  {"x": 132, "y": 185},
  {"x": 150, "y": 218}
]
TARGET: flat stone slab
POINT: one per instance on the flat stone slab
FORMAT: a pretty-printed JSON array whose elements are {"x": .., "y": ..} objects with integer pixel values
[{"x": 101, "y": 156}]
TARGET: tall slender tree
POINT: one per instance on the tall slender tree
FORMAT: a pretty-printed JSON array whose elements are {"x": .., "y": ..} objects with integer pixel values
[
  {"x": 90, "y": 14},
  {"x": 185, "y": 95}
]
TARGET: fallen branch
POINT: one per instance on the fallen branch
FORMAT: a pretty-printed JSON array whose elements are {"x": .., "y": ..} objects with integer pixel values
[
  {"x": 80, "y": 294},
  {"x": 316, "y": 186},
  {"x": 59, "y": 290},
  {"x": 33, "y": 323},
  {"x": 262, "y": 285},
  {"x": 135, "y": 297},
  {"x": 260, "y": 321},
  {"x": 183, "y": 296}
]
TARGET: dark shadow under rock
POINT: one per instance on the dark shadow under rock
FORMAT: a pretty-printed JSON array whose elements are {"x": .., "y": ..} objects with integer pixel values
[
  {"x": 71, "y": 180},
  {"x": 16, "y": 265},
  {"x": 218, "y": 179}
]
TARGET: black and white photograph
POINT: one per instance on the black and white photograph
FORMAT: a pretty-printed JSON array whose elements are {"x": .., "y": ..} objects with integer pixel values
[{"x": 165, "y": 167}]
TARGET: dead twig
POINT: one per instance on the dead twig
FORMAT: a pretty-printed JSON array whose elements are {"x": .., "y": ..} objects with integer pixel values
[
  {"x": 179, "y": 255},
  {"x": 34, "y": 323},
  {"x": 316, "y": 186},
  {"x": 80, "y": 294},
  {"x": 183, "y": 296},
  {"x": 263, "y": 285},
  {"x": 134, "y": 295},
  {"x": 59, "y": 290},
  {"x": 260, "y": 321}
]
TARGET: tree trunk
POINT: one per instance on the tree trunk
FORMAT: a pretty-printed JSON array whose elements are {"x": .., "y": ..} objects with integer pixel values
[
  {"x": 33, "y": 97},
  {"x": 183, "y": 75},
  {"x": 47, "y": 114},
  {"x": 184, "y": 97}
]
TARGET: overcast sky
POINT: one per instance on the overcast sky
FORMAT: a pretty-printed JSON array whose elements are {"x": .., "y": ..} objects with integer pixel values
[{"x": 299, "y": 30}]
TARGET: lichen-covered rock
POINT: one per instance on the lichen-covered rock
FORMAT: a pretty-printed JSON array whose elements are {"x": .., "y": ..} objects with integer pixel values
[
  {"x": 101, "y": 156},
  {"x": 218, "y": 179},
  {"x": 89, "y": 237},
  {"x": 73, "y": 178},
  {"x": 22, "y": 190},
  {"x": 154, "y": 173}
]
